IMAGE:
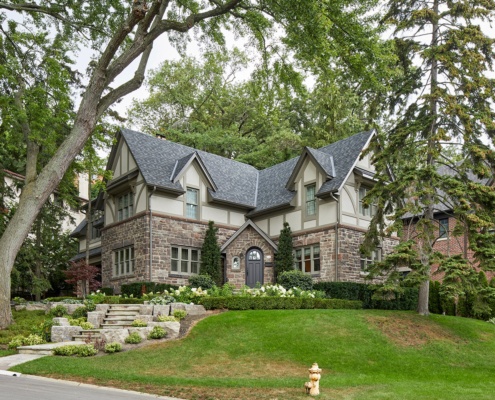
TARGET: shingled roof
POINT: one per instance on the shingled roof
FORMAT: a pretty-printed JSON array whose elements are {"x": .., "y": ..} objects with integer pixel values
[{"x": 236, "y": 183}]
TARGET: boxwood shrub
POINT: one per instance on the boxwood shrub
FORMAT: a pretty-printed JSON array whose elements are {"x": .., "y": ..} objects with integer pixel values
[
  {"x": 295, "y": 278},
  {"x": 136, "y": 288},
  {"x": 276, "y": 303},
  {"x": 408, "y": 300}
]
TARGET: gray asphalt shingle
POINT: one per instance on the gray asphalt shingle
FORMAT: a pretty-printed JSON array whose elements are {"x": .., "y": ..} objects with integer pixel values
[{"x": 239, "y": 183}]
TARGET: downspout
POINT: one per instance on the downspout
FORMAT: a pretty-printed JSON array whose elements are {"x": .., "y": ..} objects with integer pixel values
[
  {"x": 150, "y": 263},
  {"x": 336, "y": 238}
]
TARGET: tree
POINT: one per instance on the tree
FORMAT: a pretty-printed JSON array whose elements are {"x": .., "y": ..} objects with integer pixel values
[
  {"x": 284, "y": 260},
  {"x": 210, "y": 255},
  {"x": 83, "y": 277},
  {"x": 444, "y": 97},
  {"x": 119, "y": 34}
]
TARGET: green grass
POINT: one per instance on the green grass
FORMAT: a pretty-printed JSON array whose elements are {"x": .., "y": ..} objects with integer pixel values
[
  {"x": 266, "y": 355},
  {"x": 25, "y": 322}
]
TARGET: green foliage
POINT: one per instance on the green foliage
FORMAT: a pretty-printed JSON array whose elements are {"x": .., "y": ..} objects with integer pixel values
[
  {"x": 108, "y": 291},
  {"x": 44, "y": 330},
  {"x": 201, "y": 281},
  {"x": 284, "y": 259},
  {"x": 166, "y": 318},
  {"x": 30, "y": 340},
  {"x": 137, "y": 323},
  {"x": 133, "y": 338},
  {"x": 179, "y": 314},
  {"x": 84, "y": 350},
  {"x": 210, "y": 255},
  {"x": 136, "y": 289},
  {"x": 63, "y": 299},
  {"x": 58, "y": 311},
  {"x": 81, "y": 322},
  {"x": 114, "y": 347},
  {"x": 157, "y": 333},
  {"x": 227, "y": 289},
  {"x": 294, "y": 278},
  {"x": 162, "y": 300},
  {"x": 80, "y": 312},
  {"x": 403, "y": 300},
  {"x": 275, "y": 303},
  {"x": 454, "y": 106}
]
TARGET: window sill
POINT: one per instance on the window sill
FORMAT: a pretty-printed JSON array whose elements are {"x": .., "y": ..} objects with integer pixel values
[
  {"x": 116, "y": 278},
  {"x": 180, "y": 275},
  {"x": 364, "y": 273}
]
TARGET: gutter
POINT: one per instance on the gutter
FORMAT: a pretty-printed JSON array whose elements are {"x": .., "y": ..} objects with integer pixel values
[
  {"x": 150, "y": 263},
  {"x": 336, "y": 238}
]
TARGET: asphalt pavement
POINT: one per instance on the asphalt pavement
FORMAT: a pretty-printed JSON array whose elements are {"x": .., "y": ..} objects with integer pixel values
[{"x": 28, "y": 387}]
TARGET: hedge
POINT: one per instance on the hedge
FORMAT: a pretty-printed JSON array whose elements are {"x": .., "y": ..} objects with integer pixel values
[
  {"x": 136, "y": 288},
  {"x": 408, "y": 300},
  {"x": 276, "y": 303}
]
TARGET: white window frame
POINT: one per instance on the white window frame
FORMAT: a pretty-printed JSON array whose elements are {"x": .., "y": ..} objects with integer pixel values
[
  {"x": 365, "y": 211},
  {"x": 311, "y": 254},
  {"x": 192, "y": 205},
  {"x": 366, "y": 261},
  {"x": 443, "y": 228},
  {"x": 182, "y": 262},
  {"x": 123, "y": 262},
  {"x": 310, "y": 202},
  {"x": 125, "y": 206}
]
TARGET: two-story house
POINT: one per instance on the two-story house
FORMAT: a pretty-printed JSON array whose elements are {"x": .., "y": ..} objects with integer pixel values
[{"x": 162, "y": 195}]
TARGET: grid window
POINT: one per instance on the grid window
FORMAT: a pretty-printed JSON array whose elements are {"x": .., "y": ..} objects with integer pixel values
[
  {"x": 192, "y": 209},
  {"x": 185, "y": 260},
  {"x": 123, "y": 262},
  {"x": 310, "y": 200},
  {"x": 364, "y": 210},
  {"x": 443, "y": 228},
  {"x": 307, "y": 259},
  {"x": 125, "y": 206},
  {"x": 366, "y": 261}
]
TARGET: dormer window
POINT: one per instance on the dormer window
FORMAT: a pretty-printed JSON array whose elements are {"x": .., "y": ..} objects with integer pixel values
[
  {"x": 125, "y": 206},
  {"x": 368, "y": 211},
  {"x": 192, "y": 200},
  {"x": 311, "y": 200}
]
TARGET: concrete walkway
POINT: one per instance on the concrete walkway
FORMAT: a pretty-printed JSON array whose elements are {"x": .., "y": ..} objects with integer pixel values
[{"x": 29, "y": 353}]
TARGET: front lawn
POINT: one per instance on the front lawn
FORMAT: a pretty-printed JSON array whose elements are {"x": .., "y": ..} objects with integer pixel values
[{"x": 266, "y": 354}]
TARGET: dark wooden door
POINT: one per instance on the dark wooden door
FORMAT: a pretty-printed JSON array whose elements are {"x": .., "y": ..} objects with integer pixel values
[{"x": 254, "y": 267}]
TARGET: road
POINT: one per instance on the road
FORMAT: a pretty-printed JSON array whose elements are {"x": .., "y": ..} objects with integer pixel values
[{"x": 27, "y": 387}]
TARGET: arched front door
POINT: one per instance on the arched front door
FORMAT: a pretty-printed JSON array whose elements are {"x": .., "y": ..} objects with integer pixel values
[{"x": 254, "y": 267}]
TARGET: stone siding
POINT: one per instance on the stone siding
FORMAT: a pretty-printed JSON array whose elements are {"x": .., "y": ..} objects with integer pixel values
[
  {"x": 167, "y": 232},
  {"x": 247, "y": 240}
]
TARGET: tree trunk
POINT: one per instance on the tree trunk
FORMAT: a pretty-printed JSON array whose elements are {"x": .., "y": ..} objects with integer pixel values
[
  {"x": 35, "y": 193},
  {"x": 428, "y": 234}
]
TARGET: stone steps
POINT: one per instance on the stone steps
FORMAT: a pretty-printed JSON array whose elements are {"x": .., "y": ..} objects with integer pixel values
[
  {"x": 87, "y": 336},
  {"x": 120, "y": 316},
  {"x": 44, "y": 349}
]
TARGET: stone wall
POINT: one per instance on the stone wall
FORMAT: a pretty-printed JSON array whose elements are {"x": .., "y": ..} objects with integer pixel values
[
  {"x": 132, "y": 232},
  {"x": 349, "y": 265},
  {"x": 167, "y": 232}
]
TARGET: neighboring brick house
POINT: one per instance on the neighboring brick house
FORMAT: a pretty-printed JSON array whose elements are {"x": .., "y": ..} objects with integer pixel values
[
  {"x": 446, "y": 242},
  {"x": 162, "y": 195}
]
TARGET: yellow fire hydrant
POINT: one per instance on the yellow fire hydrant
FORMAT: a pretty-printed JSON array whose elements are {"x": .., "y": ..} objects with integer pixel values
[{"x": 313, "y": 386}]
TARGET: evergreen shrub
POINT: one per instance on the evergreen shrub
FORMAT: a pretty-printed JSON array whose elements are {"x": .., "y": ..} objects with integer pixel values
[
  {"x": 135, "y": 289},
  {"x": 295, "y": 278},
  {"x": 157, "y": 333},
  {"x": 211, "y": 256},
  {"x": 406, "y": 300},
  {"x": 133, "y": 338},
  {"x": 86, "y": 350},
  {"x": 58, "y": 311},
  {"x": 284, "y": 259},
  {"x": 202, "y": 281},
  {"x": 113, "y": 347},
  {"x": 276, "y": 303},
  {"x": 80, "y": 312}
]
